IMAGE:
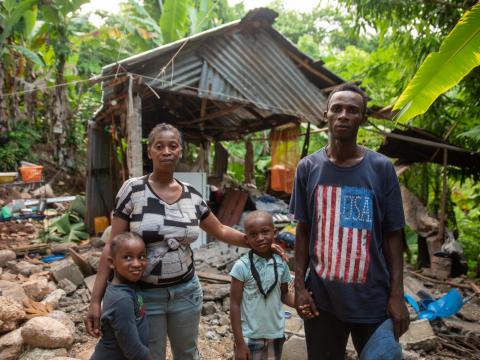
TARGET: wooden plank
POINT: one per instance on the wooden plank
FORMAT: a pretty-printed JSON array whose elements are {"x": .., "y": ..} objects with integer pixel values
[
  {"x": 232, "y": 207},
  {"x": 213, "y": 277},
  {"x": 20, "y": 250},
  {"x": 84, "y": 266}
]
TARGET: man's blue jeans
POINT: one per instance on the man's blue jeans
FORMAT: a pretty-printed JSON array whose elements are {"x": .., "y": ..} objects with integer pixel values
[{"x": 174, "y": 311}]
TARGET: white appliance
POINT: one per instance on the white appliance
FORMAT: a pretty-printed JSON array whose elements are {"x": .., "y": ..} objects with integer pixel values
[{"x": 199, "y": 181}]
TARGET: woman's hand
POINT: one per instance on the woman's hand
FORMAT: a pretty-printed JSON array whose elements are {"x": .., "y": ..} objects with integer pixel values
[
  {"x": 277, "y": 249},
  {"x": 92, "y": 320}
]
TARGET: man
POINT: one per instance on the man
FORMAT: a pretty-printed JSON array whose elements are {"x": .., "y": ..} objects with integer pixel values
[{"x": 348, "y": 205}]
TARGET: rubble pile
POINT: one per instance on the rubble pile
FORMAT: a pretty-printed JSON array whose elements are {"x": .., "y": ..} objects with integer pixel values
[
  {"x": 43, "y": 305},
  {"x": 19, "y": 233}
]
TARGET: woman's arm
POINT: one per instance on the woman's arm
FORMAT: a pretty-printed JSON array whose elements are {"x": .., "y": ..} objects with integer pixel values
[
  {"x": 92, "y": 321},
  {"x": 225, "y": 233}
]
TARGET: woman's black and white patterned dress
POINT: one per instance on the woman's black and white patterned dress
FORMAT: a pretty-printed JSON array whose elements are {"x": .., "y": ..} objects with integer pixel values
[{"x": 167, "y": 229}]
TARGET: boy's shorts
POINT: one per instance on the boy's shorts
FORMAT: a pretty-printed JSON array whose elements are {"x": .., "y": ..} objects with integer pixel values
[{"x": 265, "y": 349}]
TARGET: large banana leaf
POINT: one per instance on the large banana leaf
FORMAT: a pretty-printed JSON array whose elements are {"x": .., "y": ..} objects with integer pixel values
[
  {"x": 458, "y": 55},
  {"x": 174, "y": 19}
]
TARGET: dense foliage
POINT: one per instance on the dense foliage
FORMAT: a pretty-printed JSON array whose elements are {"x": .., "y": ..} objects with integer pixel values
[{"x": 379, "y": 44}]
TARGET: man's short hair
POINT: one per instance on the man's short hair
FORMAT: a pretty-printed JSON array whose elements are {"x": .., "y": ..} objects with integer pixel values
[{"x": 349, "y": 87}]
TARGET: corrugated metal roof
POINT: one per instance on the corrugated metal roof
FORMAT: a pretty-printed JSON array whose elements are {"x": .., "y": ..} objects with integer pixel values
[{"x": 241, "y": 62}]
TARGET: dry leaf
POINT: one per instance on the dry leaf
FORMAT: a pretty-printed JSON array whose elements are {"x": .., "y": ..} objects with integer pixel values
[{"x": 33, "y": 308}]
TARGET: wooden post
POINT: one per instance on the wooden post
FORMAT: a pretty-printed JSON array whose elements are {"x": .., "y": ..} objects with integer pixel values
[
  {"x": 134, "y": 132},
  {"x": 249, "y": 175},
  {"x": 441, "y": 232}
]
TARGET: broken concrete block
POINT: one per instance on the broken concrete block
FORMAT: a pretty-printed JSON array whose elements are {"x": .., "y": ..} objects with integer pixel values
[
  {"x": 295, "y": 348},
  {"x": 47, "y": 332},
  {"x": 11, "y": 313},
  {"x": 420, "y": 335},
  {"x": 209, "y": 308},
  {"x": 68, "y": 286},
  {"x": 6, "y": 256},
  {"x": 43, "y": 354},
  {"x": 23, "y": 267},
  {"x": 66, "y": 269},
  {"x": 54, "y": 298},
  {"x": 36, "y": 289},
  {"x": 89, "y": 282},
  {"x": 13, "y": 290},
  {"x": 226, "y": 304},
  {"x": 11, "y": 345},
  {"x": 212, "y": 292}
]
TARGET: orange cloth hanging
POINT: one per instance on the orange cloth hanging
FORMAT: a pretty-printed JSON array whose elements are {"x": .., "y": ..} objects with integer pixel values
[{"x": 285, "y": 156}]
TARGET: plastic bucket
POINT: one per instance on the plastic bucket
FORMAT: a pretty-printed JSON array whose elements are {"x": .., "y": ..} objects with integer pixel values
[{"x": 31, "y": 173}]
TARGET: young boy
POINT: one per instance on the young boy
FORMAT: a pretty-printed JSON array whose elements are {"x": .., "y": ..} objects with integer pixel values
[
  {"x": 124, "y": 325},
  {"x": 259, "y": 286}
]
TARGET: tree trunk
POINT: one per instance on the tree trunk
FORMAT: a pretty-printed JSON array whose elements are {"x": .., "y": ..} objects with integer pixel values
[
  {"x": 61, "y": 117},
  {"x": 3, "y": 99}
]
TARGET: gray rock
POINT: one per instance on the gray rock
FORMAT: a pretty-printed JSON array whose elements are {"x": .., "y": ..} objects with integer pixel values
[
  {"x": 11, "y": 312},
  {"x": 46, "y": 332},
  {"x": 23, "y": 267},
  {"x": 420, "y": 335},
  {"x": 37, "y": 289},
  {"x": 67, "y": 269},
  {"x": 13, "y": 290},
  {"x": 226, "y": 304},
  {"x": 295, "y": 348},
  {"x": 43, "y": 354},
  {"x": 11, "y": 345},
  {"x": 54, "y": 297},
  {"x": 212, "y": 292},
  {"x": 68, "y": 286},
  {"x": 6, "y": 256},
  {"x": 64, "y": 319},
  {"x": 209, "y": 308}
]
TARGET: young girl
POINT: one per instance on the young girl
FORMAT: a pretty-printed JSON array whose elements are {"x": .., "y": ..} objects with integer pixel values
[{"x": 124, "y": 325}]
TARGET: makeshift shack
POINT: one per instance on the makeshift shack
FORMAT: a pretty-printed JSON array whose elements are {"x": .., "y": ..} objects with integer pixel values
[{"x": 221, "y": 84}]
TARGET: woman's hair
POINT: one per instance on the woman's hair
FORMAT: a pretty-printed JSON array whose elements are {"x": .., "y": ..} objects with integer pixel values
[
  {"x": 163, "y": 127},
  {"x": 118, "y": 240}
]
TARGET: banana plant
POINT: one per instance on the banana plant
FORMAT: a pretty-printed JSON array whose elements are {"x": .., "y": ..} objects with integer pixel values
[{"x": 459, "y": 53}]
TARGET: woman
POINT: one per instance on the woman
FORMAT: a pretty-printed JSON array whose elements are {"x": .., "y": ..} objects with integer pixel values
[{"x": 168, "y": 215}]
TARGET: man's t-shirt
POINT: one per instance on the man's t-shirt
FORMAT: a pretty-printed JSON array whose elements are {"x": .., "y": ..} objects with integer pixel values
[
  {"x": 124, "y": 325},
  {"x": 348, "y": 210},
  {"x": 262, "y": 318}
]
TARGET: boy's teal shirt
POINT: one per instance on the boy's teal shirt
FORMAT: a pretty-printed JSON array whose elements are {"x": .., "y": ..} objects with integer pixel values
[{"x": 262, "y": 318}]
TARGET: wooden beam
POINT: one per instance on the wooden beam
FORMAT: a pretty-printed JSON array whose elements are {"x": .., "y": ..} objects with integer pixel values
[
  {"x": 203, "y": 111},
  {"x": 441, "y": 231},
  {"x": 307, "y": 66},
  {"x": 134, "y": 132},
  {"x": 249, "y": 177},
  {"x": 222, "y": 112}
]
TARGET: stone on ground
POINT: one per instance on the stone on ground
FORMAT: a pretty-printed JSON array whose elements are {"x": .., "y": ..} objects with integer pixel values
[
  {"x": 64, "y": 319},
  {"x": 13, "y": 290},
  {"x": 295, "y": 348},
  {"x": 46, "y": 332},
  {"x": 68, "y": 286},
  {"x": 67, "y": 269},
  {"x": 23, "y": 267},
  {"x": 420, "y": 335},
  {"x": 43, "y": 354},
  {"x": 54, "y": 298},
  {"x": 37, "y": 289},
  {"x": 11, "y": 312},
  {"x": 11, "y": 345},
  {"x": 6, "y": 256}
]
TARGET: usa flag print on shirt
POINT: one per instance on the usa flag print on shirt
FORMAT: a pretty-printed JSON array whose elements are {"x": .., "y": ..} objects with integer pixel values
[{"x": 344, "y": 228}]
